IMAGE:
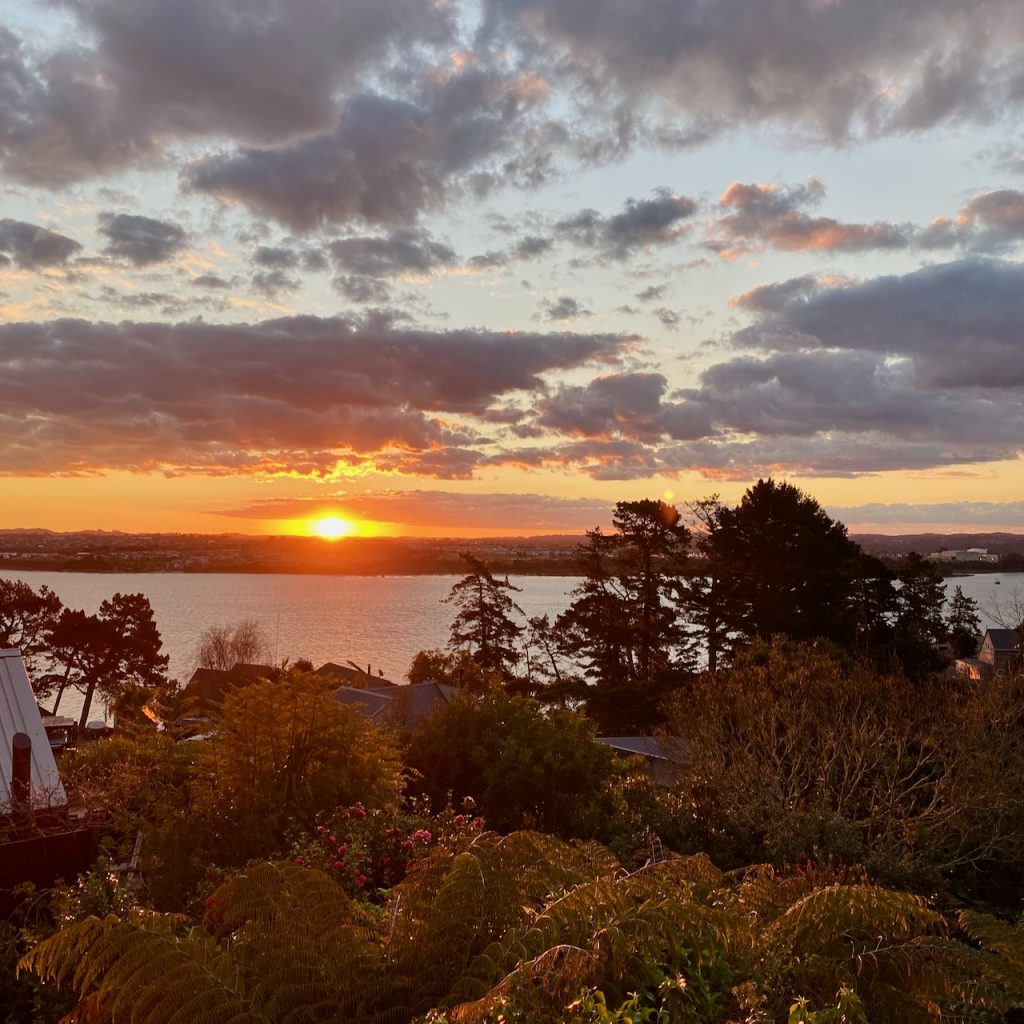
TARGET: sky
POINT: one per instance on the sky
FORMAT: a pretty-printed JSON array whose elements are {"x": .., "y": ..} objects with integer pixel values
[{"x": 468, "y": 268}]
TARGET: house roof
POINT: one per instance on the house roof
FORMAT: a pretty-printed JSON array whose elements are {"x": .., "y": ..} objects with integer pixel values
[
  {"x": 1004, "y": 639},
  {"x": 662, "y": 748},
  {"x": 19, "y": 713},
  {"x": 212, "y": 685},
  {"x": 349, "y": 675},
  {"x": 405, "y": 705}
]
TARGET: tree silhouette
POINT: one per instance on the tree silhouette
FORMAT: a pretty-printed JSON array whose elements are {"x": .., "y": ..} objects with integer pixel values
[{"x": 484, "y": 620}]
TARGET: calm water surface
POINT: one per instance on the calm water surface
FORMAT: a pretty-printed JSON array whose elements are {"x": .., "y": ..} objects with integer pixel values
[{"x": 373, "y": 620}]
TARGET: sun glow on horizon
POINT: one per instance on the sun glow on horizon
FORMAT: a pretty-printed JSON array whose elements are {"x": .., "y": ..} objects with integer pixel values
[{"x": 332, "y": 527}]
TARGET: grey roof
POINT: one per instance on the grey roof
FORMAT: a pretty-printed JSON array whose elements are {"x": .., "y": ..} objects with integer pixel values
[
  {"x": 1004, "y": 639},
  {"x": 405, "y": 705},
  {"x": 664, "y": 748},
  {"x": 348, "y": 675},
  {"x": 19, "y": 713}
]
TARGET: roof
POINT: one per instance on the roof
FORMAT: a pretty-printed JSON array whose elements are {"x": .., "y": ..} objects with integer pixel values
[
  {"x": 1004, "y": 639},
  {"x": 350, "y": 675},
  {"x": 212, "y": 685},
  {"x": 18, "y": 713},
  {"x": 407, "y": 705},
  {"x": 662, "y": 748}
]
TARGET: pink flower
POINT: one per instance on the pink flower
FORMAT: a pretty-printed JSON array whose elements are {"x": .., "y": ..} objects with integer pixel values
[
  {"x": 332, "y": 839},
  {"x": 338, "y": 865},
  {"x": 459, "y": 819},
  {"x": 361, "y": 881},
  {"x": 320, "y": 830},
  {"x": 407, "y": 844},
  {"x": 299, "y": 860},
  {"x": 342, "y": 850},
  {"x": 210, "y": 901}
]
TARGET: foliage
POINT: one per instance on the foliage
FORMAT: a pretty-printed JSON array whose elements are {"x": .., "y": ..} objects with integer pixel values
[
  {"x": 484, "y": 621},
  {"x": 919, "y": 622},
  {"x": 452, "y": 668},
  {"x": 27, "y": 617},
  {"x": 522, "y": 766},
  {"x": 368, "y": 852},
  {"x": 526, "y": 928},
  {"x": 798, "y": 751}
]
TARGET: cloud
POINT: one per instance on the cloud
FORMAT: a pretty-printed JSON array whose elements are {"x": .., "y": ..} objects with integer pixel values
[
  {"x": 403, "y": 251},
  {"x": 961, "y": 323},
  {"x": 30, "y": 246},
  {"x": 642, "y": 223},
  {"x": 275, "y": 257},
  {"x": 289, "y": 395},
  {"x": 141, "y": 240},
  {"x": 273, "y": 282},
  {"x": 210, "y": 281},
  {"x": 960, "y": 515},
  {"x": 755, "y": 216},
  {"x": 538, "y": 513},
  {"x": 389, "y": 159},
  {"x": 564, "y": 308},
  {"x": 832, "y": 70},
  {"x": 143, "y": 72}
]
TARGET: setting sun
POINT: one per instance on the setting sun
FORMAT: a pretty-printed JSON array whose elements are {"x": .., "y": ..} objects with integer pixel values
[{"x": 332, "y": 527}]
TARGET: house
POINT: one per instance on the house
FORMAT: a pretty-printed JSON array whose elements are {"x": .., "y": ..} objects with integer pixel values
[
  {"x": 405, "y": 706},
  {"x": 21, "y": 730},
  {"x": 665, "y": 755},
  {"x": 1000, "y": 649}
]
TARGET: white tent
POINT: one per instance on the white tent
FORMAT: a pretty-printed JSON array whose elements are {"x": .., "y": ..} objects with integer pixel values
[{"x": 19, "y": 713}]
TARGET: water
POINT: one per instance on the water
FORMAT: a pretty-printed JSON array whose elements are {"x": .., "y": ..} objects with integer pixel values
[{"x": 381, "y": 621}]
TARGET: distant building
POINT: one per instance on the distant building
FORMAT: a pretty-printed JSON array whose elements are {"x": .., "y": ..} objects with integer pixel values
[
  {"x": 208, "y": 687},
  {"x": 965, "y": 555}
]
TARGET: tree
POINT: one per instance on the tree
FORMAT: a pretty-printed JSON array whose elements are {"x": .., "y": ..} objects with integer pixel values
[
  {"x": 776, "y": 564},
  {"x": 484, "y": 620},
  {"x": 115, "y": 649},
  {"x": 963, "y": 624},
  {"x": 27, "y": 618},
  {"x": 919, "y": 622},
  {"x": 524, "y": 767},
  {"x": 623, "y": 624},
  {"x": 224, "y": 647}
]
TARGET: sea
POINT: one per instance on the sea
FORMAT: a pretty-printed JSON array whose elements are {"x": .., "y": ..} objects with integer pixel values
[{"x": 377, "y": 622}]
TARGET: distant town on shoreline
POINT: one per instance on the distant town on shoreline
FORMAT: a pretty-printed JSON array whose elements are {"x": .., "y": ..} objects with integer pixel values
[{"x": 552, "y": 555}]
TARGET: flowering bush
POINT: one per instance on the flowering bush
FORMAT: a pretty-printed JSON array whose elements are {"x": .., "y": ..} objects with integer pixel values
[{"x": 369, "y": 851}]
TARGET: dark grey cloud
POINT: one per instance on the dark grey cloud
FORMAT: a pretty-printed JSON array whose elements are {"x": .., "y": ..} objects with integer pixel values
[
  {"x": 831, "y": 70},
  {"x": 766, "y": 298},
  {"x": 210, "y": 281},
  {"x": 652, "y": 293},
  {"x": 670, "y": 319},
  {"x": 564, "y": 308},
  {"x": 30, "y": 246},
  {"x": 275, "y": 257},
  {"x": 402, "y": 251},
  {"x": 961, "y": 324},
  {"x": 146, "y": 71},
  {"x": 273, "y": 282},
  {"x": 362, "y": 289},
  {"x": 660, "y": 220},
  {"x": 286, "y": 395},
  {"x": 141, "y": 240},
  {"x": 389, "y": 159},
  {"x": 755, "y": 216}
]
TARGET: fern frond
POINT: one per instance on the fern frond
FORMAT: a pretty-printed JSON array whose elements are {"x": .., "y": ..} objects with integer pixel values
[{"x": 147, "y": 973}]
